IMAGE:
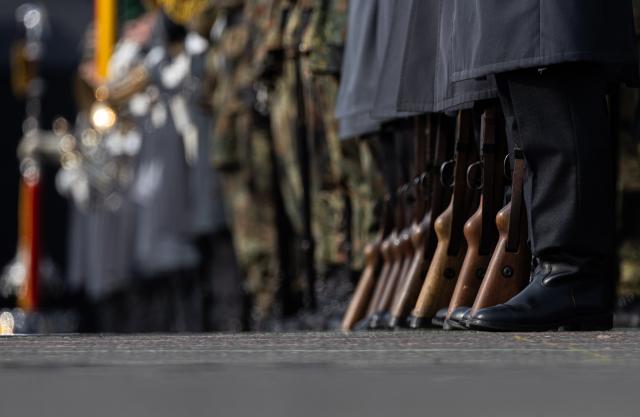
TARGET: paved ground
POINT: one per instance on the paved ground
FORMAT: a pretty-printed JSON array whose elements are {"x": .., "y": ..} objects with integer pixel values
[{"x": 322, "y": 374}]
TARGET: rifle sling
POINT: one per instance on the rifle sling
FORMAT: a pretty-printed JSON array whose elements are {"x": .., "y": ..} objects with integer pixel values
[
  {"x": 463, "y": 150},
  {"x": 400, "y": 133},
  {"x": 488, "y": 142},
  {"x": 390, "y": 176},
  {"x": 436, "y": 191},
  {"x": 421, "y": 140},
  {"x": 303, "y": 156},
  {"x": 517, "y": 202}
]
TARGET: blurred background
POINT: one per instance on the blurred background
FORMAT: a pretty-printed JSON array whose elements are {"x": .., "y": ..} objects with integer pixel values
[{"x": 67, "y": 23}]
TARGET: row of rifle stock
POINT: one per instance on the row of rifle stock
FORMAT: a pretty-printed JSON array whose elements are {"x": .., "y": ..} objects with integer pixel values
[{"x": 463, "y": 247}]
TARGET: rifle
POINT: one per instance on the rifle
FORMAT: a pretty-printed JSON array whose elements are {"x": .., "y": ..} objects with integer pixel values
[
  {"x": 508, "y": 271},
  {"x": 480, "y": 230},
  {"x": 385, "y": 252},
  {"x": 443, "y": 271},
  {"x": 362, "y": 295},
  {"x": 406, "y": 252},
  {"x": 366, "y": 299},
  {"x": 362, "y": 300},
  {"x": 409, "y": 286},
  {"x": 398, "y": 249},
  {"x": 303, "y": 156}
]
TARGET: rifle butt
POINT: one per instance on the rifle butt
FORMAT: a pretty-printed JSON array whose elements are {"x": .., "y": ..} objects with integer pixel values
[
  {"x": 440, "y": 281},
  {"x": 408, "y": 291},
  {"x": 474, "y": 266},
  {"x": 362, "y": 295},
  {"x": 508, "y": 272}
]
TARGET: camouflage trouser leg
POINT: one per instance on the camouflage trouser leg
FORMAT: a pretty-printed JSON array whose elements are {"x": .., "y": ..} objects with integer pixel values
[
  {"x": 330, "y": 204},
  {"x": 283, "y": 126},
  {"x": 250, "y": 207},
  {"x": 366, "y": 190},
  {"x": 283, "y": 114}
]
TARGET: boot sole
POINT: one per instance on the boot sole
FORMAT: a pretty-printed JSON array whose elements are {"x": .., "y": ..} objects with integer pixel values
[
  {"x": 437, "y": 322},
  {"x": 417, "y": 323},
  {"x": 593, "y": 323},
  {"x": 454, "y": 325}
]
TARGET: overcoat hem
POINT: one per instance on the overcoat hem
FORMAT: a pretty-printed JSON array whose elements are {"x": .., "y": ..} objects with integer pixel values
[
  {"x": 444, "y": 105},
  {"x": 391, "y": 112},
  {"x": 357, "y": 126},
  {"x": 355, "y": 112},
  {"x": 539, "y": 61}
]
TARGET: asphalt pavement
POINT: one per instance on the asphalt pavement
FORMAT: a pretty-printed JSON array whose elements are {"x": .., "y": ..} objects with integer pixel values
[{"x": 427, "y": 373}]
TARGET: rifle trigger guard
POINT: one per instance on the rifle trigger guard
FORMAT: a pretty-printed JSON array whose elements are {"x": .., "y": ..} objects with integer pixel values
[
  {"x": 423, "y": 181},
  {"x": 507, "y": 167},
  {"x": 475, "y": 185},
  {"x": 444, "y": 170},
  {"x": 409, "y": 192},
  {"x": 403, "y": 190}
]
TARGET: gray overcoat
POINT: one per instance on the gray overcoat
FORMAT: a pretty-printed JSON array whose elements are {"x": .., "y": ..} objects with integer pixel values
[
  {"x": 426, "y": 84},
  {"x": 368, "y": 31},
  {"x": 385, "y": 105},
  {"x": 494, "y": 36}
]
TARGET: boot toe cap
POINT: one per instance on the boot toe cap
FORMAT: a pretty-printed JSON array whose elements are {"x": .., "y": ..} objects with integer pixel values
[
  {"x": 459, "y": 313},
  {"x": 491, "y": 317},
  {"x": 438, "y": 319}
]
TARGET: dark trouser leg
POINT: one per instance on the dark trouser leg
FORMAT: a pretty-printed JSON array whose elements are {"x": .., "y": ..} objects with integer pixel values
[{"x": 559, "y": 118}]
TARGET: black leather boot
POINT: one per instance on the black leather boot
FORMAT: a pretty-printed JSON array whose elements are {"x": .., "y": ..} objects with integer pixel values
[
  {"x": 379, "y": 321},
  {"x": 438, "y": 319},
  {"x": 560, "y": 296},
  {"x": 458, "y": 319}
]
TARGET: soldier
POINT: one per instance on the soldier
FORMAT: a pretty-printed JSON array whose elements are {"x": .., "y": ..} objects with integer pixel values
[
  {"x": 241, "y": 151},
  {"x": 169, "y": 204},
  {"x": 98, "y": 175},
  {"x": 369, "y": 24},
  {"x": 289, "y": 115},
  {"x": 553, "y": 92},
  {"x": 322, "y": 45}
]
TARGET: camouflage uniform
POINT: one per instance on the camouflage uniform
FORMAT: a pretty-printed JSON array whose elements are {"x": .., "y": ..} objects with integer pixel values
[
  {"x": 366, "y": 190},
  {"x": 284, "y": 41},
  {"x": 353, "y": 160},
  {"x": 321, "y": 46},
  {"x": 284, "y": 113},
  {"x": 241, "y": 151}
]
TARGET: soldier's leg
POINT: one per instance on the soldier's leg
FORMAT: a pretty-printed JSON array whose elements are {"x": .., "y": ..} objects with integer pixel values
[{"x": 558, "y": 117}]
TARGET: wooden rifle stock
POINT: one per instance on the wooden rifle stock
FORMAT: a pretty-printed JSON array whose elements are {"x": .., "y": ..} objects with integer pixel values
[
  {"x": 400, "y": 247},
  {"x": 385, "y": 253},
  {"x": 509, "y": 269},
  {"x": 383, "y": 277},
  {"x": 361, "y": 297},
  {"x": 473, "y": 267},
  {"x": 388, "y": 233},
  {"x": 440, "y": 281},
  {"x": 480, "y": 231},
  {"x": 407, "y": 252},
  {"x": 410, "y": 285},
  {"x": 397, "y": 264}
]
